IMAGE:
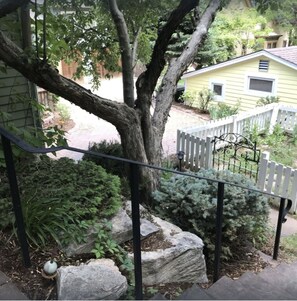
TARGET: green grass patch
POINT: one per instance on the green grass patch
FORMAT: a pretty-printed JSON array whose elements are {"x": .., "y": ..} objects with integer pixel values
[{"x": 289, "y": 245}]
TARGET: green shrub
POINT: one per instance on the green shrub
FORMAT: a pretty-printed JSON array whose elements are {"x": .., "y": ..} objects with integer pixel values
[
  {"x": 267, "y": 100},
  {"x": 201, "y": 99},
  {"x": 63, "y": 111},
  {"x": 222, "y": 110},
  {"x": 190, "y": 203},
  {"x": 205, "y": 96},
  {"x": 111, "y": 148},
  {"x": 61, "y": 198},
  {"x": 189, "y": 98}
]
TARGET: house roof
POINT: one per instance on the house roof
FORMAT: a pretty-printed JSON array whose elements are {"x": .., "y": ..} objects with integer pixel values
[
  {"x": 286, "y": 56},
  {"x": 287, "y": 53}
]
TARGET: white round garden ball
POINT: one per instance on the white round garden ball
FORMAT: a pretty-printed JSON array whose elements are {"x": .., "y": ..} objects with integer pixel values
[{"x": 50, "y": 267}]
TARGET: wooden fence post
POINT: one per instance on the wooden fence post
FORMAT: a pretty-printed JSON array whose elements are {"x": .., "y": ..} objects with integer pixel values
[
  {"x": 263, "y": 165},
  {"x": 178, "y": 141},
  {"x": 208, "y": 159},
  {"x": 273, "y": 118}
]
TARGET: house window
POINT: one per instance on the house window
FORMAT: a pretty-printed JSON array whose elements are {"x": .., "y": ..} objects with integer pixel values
[
  {"x": 217, "y": 87},
  {"x": 263, "y": 65},
  {"x": 271, "y": 45},
  {"x": 261, "y": 86}
]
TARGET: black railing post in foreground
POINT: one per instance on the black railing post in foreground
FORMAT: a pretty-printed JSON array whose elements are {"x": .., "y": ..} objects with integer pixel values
[
  {"x": 135, "y": 197},
  {"x": 16, "y": 200},
  {"x": 219, "y": 226},
  {"x": 281, "y": 219}
]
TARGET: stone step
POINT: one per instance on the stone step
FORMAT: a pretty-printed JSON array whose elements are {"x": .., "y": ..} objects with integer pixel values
[
  {"x": 226, "y": 289},
  {"x": 8, "y": 291},
  {"x": 277, "y": 283},
  {"x": 194, "y": 293},
  {"x": 284, "y": 277},
  {"x": 261, "y": 289},
  {"x": 158, "y": 296}
]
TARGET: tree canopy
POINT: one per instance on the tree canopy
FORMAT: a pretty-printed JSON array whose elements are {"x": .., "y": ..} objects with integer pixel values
[
  {"x": 285, "y": 16},
  {"x": 109, "y": 31}
]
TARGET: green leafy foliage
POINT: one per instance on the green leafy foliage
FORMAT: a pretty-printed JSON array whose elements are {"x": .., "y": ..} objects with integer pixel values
[
  {"x": 191, "y": 204},
  {"x": 222, "y": 110},
  {"x": 111, "y": 148},
  {"x": 263, "y": 101},
  {"x": 283, "y": 15},
  {"x": 189, "y": 97},
  {"x": 63, "y": 110},
  {"x": 205, "y": 96},
  {"x": 61, "y": 199},
  {"x": 35, "y": 136},
  {"x": 233, "y": 29},
  {"x": 200, "y": 99}
]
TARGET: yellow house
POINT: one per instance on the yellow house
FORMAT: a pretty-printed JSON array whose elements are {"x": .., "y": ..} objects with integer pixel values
[{"x": 269, "y": 72}]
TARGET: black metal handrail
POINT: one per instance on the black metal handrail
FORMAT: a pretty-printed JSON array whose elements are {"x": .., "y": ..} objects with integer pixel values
[{"x": 7, "y": 138}]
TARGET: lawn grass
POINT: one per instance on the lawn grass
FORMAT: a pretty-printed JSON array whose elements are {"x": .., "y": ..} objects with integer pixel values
[{"x": 289, "y": 246}]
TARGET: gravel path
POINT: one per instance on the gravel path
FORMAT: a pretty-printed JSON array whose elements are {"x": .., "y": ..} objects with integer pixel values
[{"x": 89, "y": 128}]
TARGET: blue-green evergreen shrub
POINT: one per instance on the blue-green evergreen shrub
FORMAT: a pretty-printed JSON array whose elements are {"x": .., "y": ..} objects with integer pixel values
[{"x": 191, "y": 204}]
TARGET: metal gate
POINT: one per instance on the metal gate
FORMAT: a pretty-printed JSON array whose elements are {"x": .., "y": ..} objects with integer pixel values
[{"x": 236, "y": 153}]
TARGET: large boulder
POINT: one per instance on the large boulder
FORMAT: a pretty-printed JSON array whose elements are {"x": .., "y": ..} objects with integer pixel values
[
  {"x": 181, "y": 261},
  {"x": 98, "y": 280},
  {"x": 121, "y": 231}
]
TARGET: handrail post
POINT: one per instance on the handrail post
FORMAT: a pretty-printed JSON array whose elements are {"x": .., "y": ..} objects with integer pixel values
[
  {"x": 219, "y": 226},
  {"x": 135, "y": 197},
  {"x": 280, "y": 221},
  {"x": 17, "y": 207}
]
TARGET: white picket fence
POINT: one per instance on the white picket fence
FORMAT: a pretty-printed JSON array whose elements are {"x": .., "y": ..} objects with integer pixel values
[
  {"x": 274, "y": 178},
  {"x": 265, "y": 117},
  {"x": 198, "y": 152},
  {"x": 277, "y": 179}
]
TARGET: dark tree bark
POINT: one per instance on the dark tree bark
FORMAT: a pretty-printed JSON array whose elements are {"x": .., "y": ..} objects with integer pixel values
[
  {"x": 141, "y": 134},
  {"x": 8, "y": 6}
]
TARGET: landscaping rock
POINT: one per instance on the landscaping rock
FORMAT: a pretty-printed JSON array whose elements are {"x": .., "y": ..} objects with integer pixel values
[
  {"x": 121, "y": 227},
  {"x": 182, "y": 262},
  {"x": 121, "y": 232},
  {"x": 98, "y": 280},
  {"x": 147, "y": 228}
]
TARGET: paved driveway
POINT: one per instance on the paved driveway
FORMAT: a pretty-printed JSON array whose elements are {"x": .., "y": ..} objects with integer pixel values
[{"x": 89, "y": 128}]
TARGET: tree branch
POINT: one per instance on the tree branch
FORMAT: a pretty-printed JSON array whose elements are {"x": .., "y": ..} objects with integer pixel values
[
  {"x": 135, "y": 46},
  {"x": 45, "y": 76},
  {"x": 179, "y": 65},
  {"x": 149, "y": 79},
  {"x": 8, "y": 6},
  {"x": 126, "y": 53}
]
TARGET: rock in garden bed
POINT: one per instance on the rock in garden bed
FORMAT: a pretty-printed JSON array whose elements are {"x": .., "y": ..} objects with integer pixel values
[
  {"x": 181, "y": 259},
  {"x": 177, "y": 256},
  {"x": 98, "y": 280}
]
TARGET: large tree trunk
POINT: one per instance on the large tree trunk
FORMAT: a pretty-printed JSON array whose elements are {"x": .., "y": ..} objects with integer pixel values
[{"x": 141, "y": 134}]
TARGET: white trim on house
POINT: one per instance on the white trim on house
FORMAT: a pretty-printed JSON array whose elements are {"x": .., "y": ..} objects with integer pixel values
[
  {"x": 239, "y": 60},
  {"x": 222, "y": 83},
  {"x": 260, "y": 76}
]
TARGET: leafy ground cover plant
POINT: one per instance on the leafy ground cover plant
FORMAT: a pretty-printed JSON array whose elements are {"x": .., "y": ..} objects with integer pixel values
[
  {"x": 222, "y": 110},
  {"x": 121, "y": 169},
  {"x": 263, "y": 101},
  {"x": 111, "y": 148},
  {"x": 190, "y": 203},
  {"x": 61, "y": 199}
]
